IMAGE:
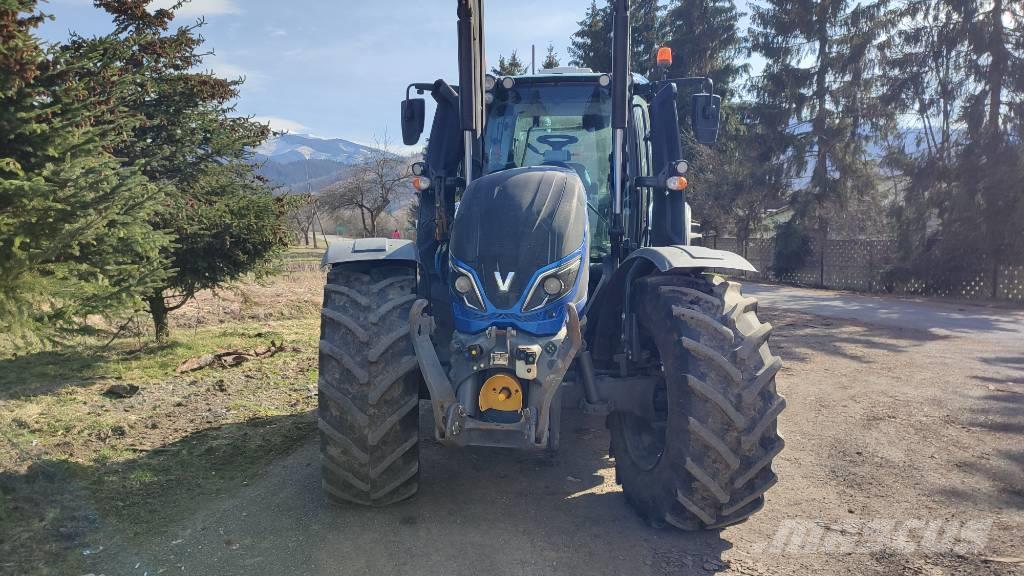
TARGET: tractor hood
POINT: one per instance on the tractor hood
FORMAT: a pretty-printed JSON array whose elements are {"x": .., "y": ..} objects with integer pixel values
[{"x": 513, "y": 223}]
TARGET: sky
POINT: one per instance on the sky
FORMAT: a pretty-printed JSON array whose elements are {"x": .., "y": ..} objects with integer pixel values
[{"x": 339, "y": 68}]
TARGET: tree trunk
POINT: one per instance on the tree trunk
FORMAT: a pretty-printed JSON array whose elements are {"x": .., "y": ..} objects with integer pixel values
[
  {"x": 995, "y": 276},
  {"x": 999, "y": 55},
  {"x": 362, "y": 218},
  {"x": 158, "y": 310},
  {"x": 821, "y": 255},
  {"x": 819, "y": 178}
]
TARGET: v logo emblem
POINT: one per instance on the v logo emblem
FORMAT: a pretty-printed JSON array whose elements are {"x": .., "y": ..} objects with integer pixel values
[{"x": 504, "y": 285}]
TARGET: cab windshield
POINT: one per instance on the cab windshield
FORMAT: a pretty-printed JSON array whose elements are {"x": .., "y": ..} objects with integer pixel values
[{"x": 563, "y": 124}]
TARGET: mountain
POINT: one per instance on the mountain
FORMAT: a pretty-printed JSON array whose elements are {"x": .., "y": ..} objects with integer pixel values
[
  {"x": 303, "y": 175},
  {"x": 301, "y": 163},
  {"x": 298, "y": 147}
]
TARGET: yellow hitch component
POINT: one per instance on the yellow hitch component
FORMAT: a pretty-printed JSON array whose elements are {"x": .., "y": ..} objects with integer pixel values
[{"x": 501, "y": 392}]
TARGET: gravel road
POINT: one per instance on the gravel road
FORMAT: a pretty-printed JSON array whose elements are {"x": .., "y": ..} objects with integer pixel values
[{"x": 902, "y": 411}]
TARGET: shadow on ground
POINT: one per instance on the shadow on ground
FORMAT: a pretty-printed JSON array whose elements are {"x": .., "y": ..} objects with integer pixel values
[
  {"x": 798, "y": 336},
  {"x": 1001, "y": 412},
  {"x": 478, "y": 511},
  {"x": 43, "y": 372},
  {"x": 48, "y": 371},
  {"x": 916, "y": 313},
  {"x": 56, "y": 516},
  {"x": 1008, "y": 362}
]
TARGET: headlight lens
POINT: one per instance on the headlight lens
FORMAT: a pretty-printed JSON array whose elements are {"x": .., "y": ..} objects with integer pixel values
[
  {"x": 465, "y": 287},
  {"x": 552, "y": 285},
  {"x": 463, "y": 284}
]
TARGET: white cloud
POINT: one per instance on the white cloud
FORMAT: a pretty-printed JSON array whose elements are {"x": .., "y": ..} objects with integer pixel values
[
  {"x": 200, "y": 7},
  {"x": 282, "y": 124},
  {"x": 254, "y": 80},
  {"x": 226, "y": 69},
  {"x": 277, "y": 32}
]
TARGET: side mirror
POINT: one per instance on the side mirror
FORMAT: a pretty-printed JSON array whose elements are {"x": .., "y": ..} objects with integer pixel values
[
  {"x": 414, "y": 110},
  {"x": 707, "y": 110}
]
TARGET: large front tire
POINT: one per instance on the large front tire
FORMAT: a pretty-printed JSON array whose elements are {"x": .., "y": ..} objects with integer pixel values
[
  {"x": 368, "y": 390},
  {"x": 704, "y": 461}
]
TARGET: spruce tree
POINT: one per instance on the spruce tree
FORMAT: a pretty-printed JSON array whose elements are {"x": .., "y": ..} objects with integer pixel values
[
  {"x": 732, "y": 183},
  {"x": 512, "y": 66},
  {"x": 591, "y": 46},
  {"x": 814, "y": 93},
  {"x": 223, "y": 219},
  {"x": 924, "y": 79},
  {"x": 705, "y": 39},
  {"x": 74, "y": 234},
  {"x": 987, "y": 212},
  {"x": 646, "y": 18},
  {"x": 551, "y": 59},
  {"x": 956, "y": 69}
]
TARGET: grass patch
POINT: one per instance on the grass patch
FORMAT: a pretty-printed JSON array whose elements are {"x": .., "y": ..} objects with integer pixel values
[{"x": 75, "y": 462}]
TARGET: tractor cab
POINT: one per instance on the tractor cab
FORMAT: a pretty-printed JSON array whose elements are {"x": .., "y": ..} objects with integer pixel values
[{"x": 561, "y": 120}]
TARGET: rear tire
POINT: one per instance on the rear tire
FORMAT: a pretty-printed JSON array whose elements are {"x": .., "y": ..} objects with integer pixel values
[
  {"x": 368, "y": 386},
  {"x": 705, "y": 460}
]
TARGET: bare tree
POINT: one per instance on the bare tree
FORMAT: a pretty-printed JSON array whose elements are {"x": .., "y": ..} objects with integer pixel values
[
  {"x": 372, "y": 186},
  {"x": 302, "y": 216}
]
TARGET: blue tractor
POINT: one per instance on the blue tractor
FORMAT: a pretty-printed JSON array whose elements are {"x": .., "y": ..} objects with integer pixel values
[{"x": 553, "y": 264}]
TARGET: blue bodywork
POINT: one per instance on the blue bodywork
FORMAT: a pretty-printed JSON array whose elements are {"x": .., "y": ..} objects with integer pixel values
[{"x": 545, "y": 321}]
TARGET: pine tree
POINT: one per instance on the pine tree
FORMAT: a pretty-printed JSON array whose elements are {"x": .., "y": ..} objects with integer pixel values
[
  {"x": 513, "y": 66},
  {"x": 705, "y": 39},
  {"x": 923, "y": 77},
  {"x": 648, "y": 22},
  {"x": 74, "y": 237},
  {"x": 813, "y": 92},
  {"x": 591, "y": 45},
  {"x": 987, "y": 212},
  {"x": 957, "y": 68},
  {"x": 222, "y": 217},
  {"x": 551, "y": 59},
  {"x": 731, "y": 181}
]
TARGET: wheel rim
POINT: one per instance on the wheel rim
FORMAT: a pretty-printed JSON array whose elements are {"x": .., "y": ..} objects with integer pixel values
[{"x": 645, "y": 439}]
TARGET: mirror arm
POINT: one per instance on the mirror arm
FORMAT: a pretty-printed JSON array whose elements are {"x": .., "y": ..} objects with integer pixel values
[
  {"x": 700, "y": 81},
  {"x": 658, "y": 181},
  {"x": 420, "y": 88}
]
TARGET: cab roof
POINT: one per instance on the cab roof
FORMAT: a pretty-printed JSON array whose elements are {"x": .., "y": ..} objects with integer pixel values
[{"x": 569, "y": 73}]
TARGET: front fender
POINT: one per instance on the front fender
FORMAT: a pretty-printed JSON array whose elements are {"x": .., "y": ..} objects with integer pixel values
[
  {"x": 369, "y": 249},
  {"x": 604, "y": 316},
  {"x": 667, "y": 258}
]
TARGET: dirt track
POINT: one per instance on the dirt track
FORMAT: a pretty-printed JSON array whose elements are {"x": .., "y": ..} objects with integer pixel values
[{"x": 917, "y": 415}]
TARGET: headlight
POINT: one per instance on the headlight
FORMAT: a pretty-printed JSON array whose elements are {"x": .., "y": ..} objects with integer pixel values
[
  {"x": 465, "y": 287},
  {"x": 463, "y": 284},
  {"x": 552, "y": 285}
]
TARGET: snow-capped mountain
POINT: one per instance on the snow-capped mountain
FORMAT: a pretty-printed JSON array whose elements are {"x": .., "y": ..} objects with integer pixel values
[{"x": 296, "y": 147}]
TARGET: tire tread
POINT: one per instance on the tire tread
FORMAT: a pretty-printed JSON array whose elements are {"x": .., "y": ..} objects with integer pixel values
[
  {"x": 722, "y": 424},
  {"x": 368, "y": 390}
]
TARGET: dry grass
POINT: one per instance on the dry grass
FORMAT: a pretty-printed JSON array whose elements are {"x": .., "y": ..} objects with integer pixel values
[
  {"x": 291, "y": 295},
  {"x": 74, "y": 460}
]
